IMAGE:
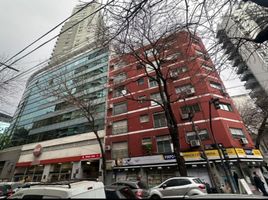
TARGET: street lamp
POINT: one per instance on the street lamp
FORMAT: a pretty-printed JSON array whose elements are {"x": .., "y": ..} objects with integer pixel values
[{"x": 216, "y": 103}]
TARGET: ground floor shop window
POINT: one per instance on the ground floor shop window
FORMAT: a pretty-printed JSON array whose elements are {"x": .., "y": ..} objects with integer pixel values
[
  {"x": 29, "y": 174},
  {"x": 60, "y": 172},
  {"x": 155, "y": 176}
]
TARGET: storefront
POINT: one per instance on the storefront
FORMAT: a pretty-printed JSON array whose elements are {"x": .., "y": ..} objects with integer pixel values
[
  {"x": 73, "y": 157},
  {"x": 157, "y": 168}
]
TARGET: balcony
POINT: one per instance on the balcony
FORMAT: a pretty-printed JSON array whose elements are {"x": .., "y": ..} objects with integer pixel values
[
  {"x": 251, "y": 83},
  {"x": 246, "y": 75}
]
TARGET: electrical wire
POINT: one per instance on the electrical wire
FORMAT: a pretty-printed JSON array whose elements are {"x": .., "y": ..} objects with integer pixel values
[{"x": 40, "y": 38}]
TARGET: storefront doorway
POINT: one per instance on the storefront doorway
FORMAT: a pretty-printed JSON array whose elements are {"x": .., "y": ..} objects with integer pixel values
[{"x": 90, "y": 169}]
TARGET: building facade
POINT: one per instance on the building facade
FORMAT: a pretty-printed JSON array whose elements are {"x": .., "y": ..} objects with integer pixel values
[
  {"x": 250, "y": 60},
  {"x": 137, "y": 139},
  {"x": 80, "y": 29}
]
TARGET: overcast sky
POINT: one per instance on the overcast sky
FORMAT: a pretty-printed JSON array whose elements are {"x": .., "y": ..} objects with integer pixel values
[{"x": 23, "y": 21}]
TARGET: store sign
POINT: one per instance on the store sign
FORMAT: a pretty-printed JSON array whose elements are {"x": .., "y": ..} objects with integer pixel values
[
  {"x": 169, "y": 157},
  {"x": 90, "y": 156},
  {"x": 240, "y": 152},
  {"x": 212, "y": 154},
  {"x": 146, "y": 160},
  {"x": 253, "y": 153},
  {"x": 191, "y": 156},
  {"x": 231, "y": 153},
  {"x": 37, "y": 150}
]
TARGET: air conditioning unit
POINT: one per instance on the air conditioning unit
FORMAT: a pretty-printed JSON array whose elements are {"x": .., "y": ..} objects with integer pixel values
[
  {"x": 107, "y": 148},
  {"x": 195, "y": 143},
  {"x": 111, "y": 106},
  {"x": 110, "y": 123},
  {"x": 244, "y": 141},
  {"x": 185, "y": 116},
  {"x": 110, "y": 89},
  {"x": 190, "y": 91}
]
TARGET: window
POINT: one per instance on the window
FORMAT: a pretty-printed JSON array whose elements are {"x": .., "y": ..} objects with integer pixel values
[
  {"x": 120, "y": 127},
  {"x": 120, "y": 108},
  {"x": 225, "y": 106},
  {"x": 139, "y": 66},
  {"x": 237, "y": 133},
  {"x": 163, "y": 144},
  {"x": 140, "y": 81},
  {"x": 190, "y": 109},
  {"x": 152, "y": 82},
  {"x": 156, "y": 97},
  {"x": 144, "y": 118},
  {"x": 187, "y": 89},
  {"x": 203, "y": 134},
  {"x": 150, "y": 67},
  {"x": 149, "y": 52},
  {"x": 142, "y": 99},
  {"x": 207, "y": 67},
  {"x": 160, "y": 120},
  {"x": 175, "y": 72},
  {"x": 215, "y": 85},
  {"x": 120, "y": 78},
  {"x": 173, "y": 56},
  {"x": 119, "y": 150},
  {"x": 119, "y": 91}
]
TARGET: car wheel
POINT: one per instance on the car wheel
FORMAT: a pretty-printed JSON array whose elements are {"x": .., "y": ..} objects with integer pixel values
[{"x": 155, "y": 197}]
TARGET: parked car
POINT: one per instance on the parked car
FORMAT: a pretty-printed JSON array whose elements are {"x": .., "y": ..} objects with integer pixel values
[
  {"x": 70, "y": 189},
  {"x": 140, "y": 189},
  {"x": 119, "y": 192},
  {"x": 8, "y": 188},
  {"x": 226, "y": 196},
  {"x": 178, "y": 187}
]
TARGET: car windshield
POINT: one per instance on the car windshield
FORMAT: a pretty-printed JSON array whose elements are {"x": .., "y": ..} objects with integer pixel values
[{"x": 142, "y": 185}]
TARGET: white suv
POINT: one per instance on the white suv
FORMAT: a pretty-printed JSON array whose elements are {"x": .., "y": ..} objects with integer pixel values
[
  {"x": 178, "y": 187},
  {"x": 63, "y": 190}
]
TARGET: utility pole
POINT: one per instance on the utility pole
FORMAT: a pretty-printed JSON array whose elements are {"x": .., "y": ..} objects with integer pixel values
[
  {"x": 216, "y": 103},
  {"x": 204, "y": 155}
]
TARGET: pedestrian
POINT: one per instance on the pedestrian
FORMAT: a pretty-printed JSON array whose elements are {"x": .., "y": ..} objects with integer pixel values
[
  {"x": 259, "y": 184},
  {"x": 235, "y": 175}
]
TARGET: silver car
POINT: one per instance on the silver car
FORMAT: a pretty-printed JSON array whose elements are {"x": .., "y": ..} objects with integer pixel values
[{"x": 178, "y": 187}]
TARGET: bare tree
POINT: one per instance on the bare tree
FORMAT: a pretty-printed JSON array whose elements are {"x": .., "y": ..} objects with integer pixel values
[{"x": 72, "y": 91}]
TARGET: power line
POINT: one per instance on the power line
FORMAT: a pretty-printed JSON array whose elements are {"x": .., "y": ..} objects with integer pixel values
[{"x": 39, "y": 39}]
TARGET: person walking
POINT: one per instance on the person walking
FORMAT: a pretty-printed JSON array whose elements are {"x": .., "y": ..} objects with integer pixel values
[{"x": 259, "y": 184}]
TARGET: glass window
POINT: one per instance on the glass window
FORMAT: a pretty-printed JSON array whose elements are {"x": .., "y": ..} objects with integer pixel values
[
  {"x": 157, "y": 98},
  {"x": 237, "y": 133},
  {"x": 150, "y": 67},
  {"x": 144, "y": 118},
  {"x": 142, "y": 99},
  {"x": 203, "y": 134},
  {"x": 187, "y": 89},
  {"x": 225, "y": 106},
  {"x": 120, "y": 108},
  {"x": 152, "y": 82},
  {"x": 172, "y": 183},
  {"x": 164, "y": 144},
  {"x": 119, "y": 150},
  {"x": 215, "y": 85},
  {"x": 160, "y": 120},
  {"x": 146, "y": 141},
  {"x": 120, "y": 78},
  {"x": 207, "y": 67},
  {"x": 190, "y": 109},
  {"x": 119, "y": 91},
  {"x": 120, "y": 127},
  {"x": 140, "y": 81}
]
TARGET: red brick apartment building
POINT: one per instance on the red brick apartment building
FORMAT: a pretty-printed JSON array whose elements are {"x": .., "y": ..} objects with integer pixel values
[{"x": 137, "y": 139}]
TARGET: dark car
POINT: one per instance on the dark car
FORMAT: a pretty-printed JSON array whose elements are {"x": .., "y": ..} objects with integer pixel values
[
  {"x": 140, "y": 189},
  {"x": 119, "y": 192}
]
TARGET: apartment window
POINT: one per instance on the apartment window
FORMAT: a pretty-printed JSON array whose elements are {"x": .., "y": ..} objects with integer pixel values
[
  {"x": 119, "y": 64},
  {"x": 237, "y": 133},
  {"x": 141, "y": 99},
  {"x": 173, "y": 56},
  {"x": 152, "y": 82},
  {"x": 139, "y": 66},
  {"x": 190, "y": 109},
  {"x": 120, "y": 127},
  {"x": 215, "y": 85},
  {"x": 119, "y": 91},
  {"x": 149, "y": 52},
  {"x": 164, "y": 144},
  {"x": 203, "y": 134},
  {"x": 157, "y": 98},
  {"x": 119, "y": 150},
  {"x": 120, "y": 78},
  {"x": 144, "y": 118},
  {"x": 120, "y": 108},
  {"x": 225, "y": 106},
  {"x": 185, "y": 89},
  {"x": 160, "y": 120},
  {"x": 207, "y": 67},
  {"x": 150, "y": 67},
  {"x": 140, "y": 81}
]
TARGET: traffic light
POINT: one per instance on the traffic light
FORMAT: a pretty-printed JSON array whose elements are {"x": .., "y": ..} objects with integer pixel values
[{"x": 216, "y": 103}]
